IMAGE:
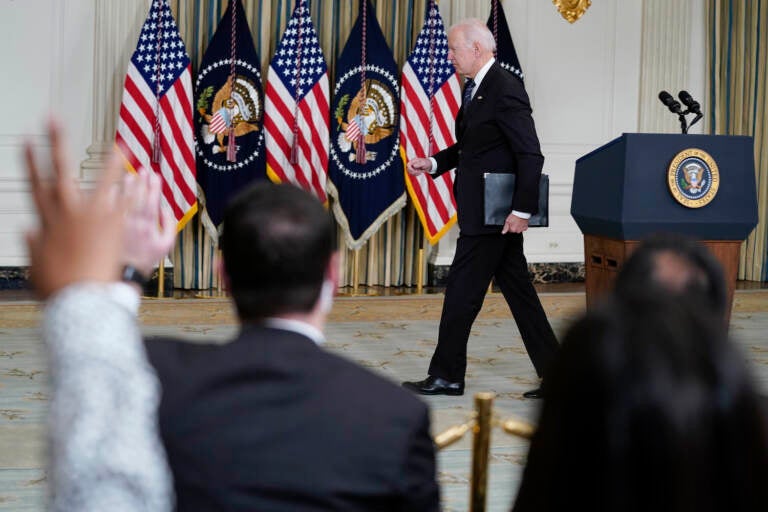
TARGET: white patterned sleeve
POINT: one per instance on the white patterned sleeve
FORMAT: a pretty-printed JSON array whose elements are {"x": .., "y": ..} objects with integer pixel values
[{"x": 105, "y": 450}]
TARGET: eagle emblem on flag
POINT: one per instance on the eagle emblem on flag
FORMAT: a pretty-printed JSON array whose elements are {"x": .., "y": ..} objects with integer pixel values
[
  {"x": 372, "y": 113},
  {"x": 238, "y": 105},
  {"x": 366, "y": 116}
]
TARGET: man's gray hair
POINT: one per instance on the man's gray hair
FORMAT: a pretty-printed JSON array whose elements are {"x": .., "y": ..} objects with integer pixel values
[{"x": 476, "y": 31}]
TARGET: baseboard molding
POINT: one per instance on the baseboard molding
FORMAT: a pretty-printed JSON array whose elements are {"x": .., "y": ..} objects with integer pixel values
[
  {"x": 17, "y": 278},
  {"x": 14, "y": 278},
  {"x": 541, "y": 273}
]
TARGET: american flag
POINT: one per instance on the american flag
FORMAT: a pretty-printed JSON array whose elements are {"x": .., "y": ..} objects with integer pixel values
[
  {"x": 297, "y": 108},
  {"x": 154, "y": 130},
  {"x": 431, "y": 96}
]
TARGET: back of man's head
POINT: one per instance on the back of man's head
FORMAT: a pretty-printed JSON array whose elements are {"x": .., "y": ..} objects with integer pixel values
[
  {"x": 276, "y": 243},
  {"x": 674, "y": 265}
]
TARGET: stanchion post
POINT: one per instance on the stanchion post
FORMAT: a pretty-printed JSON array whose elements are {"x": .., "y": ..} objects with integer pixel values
[
  {"x": 481, "y": 442},
  {"x": 481, "y": 424}
]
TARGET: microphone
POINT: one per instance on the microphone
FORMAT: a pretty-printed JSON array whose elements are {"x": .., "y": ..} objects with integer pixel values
[
  {"x": 672, "y": 104},
  {"x": 688, "y": 101},
  {"x": 693, "y": 107}
]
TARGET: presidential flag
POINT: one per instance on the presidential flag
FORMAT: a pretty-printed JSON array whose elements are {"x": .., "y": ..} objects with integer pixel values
[
  {"x": 297, "y": 108},
  {"x": 229, "y": 103},
  {"x": 505, "y": 49},
  {"x": 365, "y": 168},
  {"x": 154, "y": 129},
  {"x": 431, "y": 97}
]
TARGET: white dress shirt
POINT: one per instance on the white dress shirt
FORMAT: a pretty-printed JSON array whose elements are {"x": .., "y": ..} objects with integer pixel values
[{"x": 297, "y": 326}]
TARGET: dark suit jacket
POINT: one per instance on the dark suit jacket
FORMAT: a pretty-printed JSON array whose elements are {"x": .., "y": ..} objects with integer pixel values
[
  {"x": 272, "y": 422},
  {"x": 495, "y": 133}
]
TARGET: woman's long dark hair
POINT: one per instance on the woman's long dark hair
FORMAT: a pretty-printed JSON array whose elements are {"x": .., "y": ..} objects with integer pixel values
[{"x": 648, "y": 407}]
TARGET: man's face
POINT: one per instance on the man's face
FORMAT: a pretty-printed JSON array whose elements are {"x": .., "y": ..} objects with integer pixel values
[{"x": 462, "y": 54}]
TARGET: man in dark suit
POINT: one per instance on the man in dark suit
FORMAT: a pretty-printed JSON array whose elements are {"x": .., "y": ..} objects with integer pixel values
[
  {"x": 270, "y": 420},
  {"x": 495, "y": 132}
]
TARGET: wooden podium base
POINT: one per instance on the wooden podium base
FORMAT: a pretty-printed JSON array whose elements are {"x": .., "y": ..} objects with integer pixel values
[{"x": 603, "y": 257}]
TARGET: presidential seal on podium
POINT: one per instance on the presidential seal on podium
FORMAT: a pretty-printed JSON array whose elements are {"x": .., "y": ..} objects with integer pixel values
[{"x": 693, "y": 178}]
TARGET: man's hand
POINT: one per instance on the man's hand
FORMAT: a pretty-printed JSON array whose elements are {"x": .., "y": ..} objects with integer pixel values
[
  {"x": 149, "y": 230},
  {"x": 80, "y": 234},
  {"x": 514, "y": 224},
  {"x": 418, "y": 166}
]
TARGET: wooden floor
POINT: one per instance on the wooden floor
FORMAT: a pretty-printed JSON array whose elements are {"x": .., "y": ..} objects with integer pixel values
[{"x": 393, "y": 335}]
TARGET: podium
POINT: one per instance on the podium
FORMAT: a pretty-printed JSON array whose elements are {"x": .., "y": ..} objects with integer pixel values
[{"x": 638, "y": 184}]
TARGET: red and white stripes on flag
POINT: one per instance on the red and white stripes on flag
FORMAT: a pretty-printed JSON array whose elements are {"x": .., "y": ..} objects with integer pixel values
[
  {"x": 431, "y": 93},
  {"x": 353, "y": 129},
  {"x": 296, "y": 108},
  {"x": 155, "y": 130},
  {"x": 219, "y": 122}
]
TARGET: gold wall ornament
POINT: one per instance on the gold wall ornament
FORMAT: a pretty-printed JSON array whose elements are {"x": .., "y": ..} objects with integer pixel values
[{"x": 572, "y": 10}]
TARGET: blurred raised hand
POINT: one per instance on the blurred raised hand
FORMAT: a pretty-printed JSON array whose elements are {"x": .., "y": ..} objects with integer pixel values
[
  {"x": 150, "y": 229},
  {"x": 89, "y": 235},
  {"x": 79, "y": 234}
]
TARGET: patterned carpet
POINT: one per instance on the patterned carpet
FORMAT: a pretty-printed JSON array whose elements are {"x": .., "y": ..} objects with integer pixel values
[{"x": 393, "y": 336}]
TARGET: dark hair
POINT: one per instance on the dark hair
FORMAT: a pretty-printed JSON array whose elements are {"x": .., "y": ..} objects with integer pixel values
[
  {"x": 648, "y": 406},
  {"x": 276, "y": 243},
  {"x": 694, "y": 270}
]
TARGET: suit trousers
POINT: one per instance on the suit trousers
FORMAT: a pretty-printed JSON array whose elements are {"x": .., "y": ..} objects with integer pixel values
[{"x": 478, "y": 259}]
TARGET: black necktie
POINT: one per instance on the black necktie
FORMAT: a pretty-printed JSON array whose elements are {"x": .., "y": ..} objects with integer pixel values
[{"x": 469, "y": 86}]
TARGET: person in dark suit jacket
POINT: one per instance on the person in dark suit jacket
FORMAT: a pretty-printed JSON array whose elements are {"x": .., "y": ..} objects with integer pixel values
[
  {"x": 494, "y": 132},
  {"x": 270, "y": 420}
]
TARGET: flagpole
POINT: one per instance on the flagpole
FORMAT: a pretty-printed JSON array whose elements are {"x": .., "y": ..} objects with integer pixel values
[
  {"x": 355, "y": 270},
  {"x": 231, "y": 144},
  {"x": 161, "y": 278},
  {"x": 420, "y": 271},
  {"x": 220, "y": 263}
]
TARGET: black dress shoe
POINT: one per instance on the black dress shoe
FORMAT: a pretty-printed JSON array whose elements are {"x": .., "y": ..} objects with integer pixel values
[
  {"x": 435, "y": 386},
  {"x": 534, "y": 393}
]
